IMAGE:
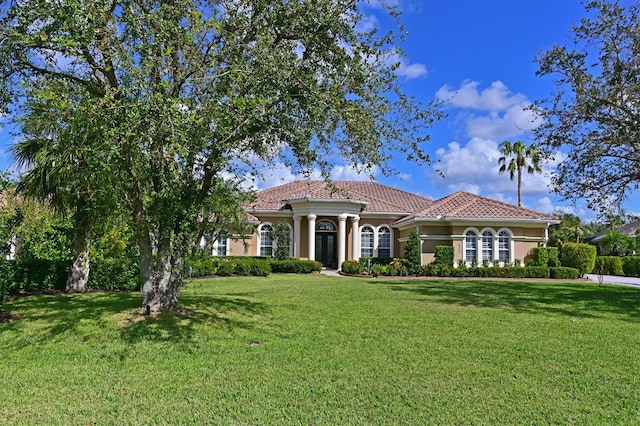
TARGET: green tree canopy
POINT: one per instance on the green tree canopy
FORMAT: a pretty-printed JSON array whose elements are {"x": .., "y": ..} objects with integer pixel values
[
  {"x": 185, "y": 96},
  {"x": 593, "y": 118}
]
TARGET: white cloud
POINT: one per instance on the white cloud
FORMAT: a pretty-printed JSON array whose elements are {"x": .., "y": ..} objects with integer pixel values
[
  {"x": 494, "y": 112},
  {"x": 411, "y": 71},
  {"x": 367, "y": 23},
  {"x": 277, "y": 173},
  {"x": 474, "y": 168}
]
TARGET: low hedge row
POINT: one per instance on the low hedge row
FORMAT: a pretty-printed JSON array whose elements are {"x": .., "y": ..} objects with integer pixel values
[
  {"x": 202, "y": 266},
  {"x": 615, "y": 265},
  {"x": 442, "y": 270}
]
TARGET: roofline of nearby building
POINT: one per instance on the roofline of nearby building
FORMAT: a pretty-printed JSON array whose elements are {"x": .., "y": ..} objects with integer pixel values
[{"x": 444, "y": 219}]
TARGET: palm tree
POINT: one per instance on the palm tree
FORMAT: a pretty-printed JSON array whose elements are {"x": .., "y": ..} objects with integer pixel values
[
  {"x": 56, "y": 150},
  {"x": 521, "y": 157}
]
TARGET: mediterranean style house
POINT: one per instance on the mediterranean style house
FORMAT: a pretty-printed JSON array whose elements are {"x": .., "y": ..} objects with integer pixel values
[{"x": 349, "y": 220}]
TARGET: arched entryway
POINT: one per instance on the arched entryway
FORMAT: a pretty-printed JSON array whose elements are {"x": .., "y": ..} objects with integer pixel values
[{"x": 327, "y": 244}]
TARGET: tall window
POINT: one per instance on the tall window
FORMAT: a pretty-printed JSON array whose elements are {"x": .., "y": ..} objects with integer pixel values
[
  {"x": 366, "y": 242},
  {"x": 384, "y": 242},
  {"x": 504, "y": 246},
  {"x": 471, "y": 246},
  {"x": 487, "y": 246},
  {"x": 266, "y": 240},
  {"x": 220, "y": 246}
]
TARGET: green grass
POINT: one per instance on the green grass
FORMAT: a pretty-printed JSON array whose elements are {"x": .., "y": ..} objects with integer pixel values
[{"x": 328, "y": 350}]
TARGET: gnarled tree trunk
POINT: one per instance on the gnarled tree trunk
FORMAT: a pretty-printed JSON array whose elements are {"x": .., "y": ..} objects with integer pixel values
[{"x": 79, "y": 272}]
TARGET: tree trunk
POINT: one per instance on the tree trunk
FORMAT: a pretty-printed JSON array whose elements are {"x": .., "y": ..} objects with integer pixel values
[
  {"x": 161, "y": 282},
  {"x": 519, "y": 188},
  {"x": 80, "y": 268}
]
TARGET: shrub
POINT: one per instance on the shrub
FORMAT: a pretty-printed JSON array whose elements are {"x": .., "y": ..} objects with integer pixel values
[
  {"x": 226, "y": 267},
  {"x": 6, "y": 278},
  {"x": 399, "y": 267},
  {"x": 536, "y": 272},
  {"x": 379, "y": 270},
  {"x": 631, "y": 266},
  {"x": 579, "y": 256},
  {"x": 543, "y": 256},
  {"x": 444, "y": 255},
  {"x": 253, "y": 267},
  {"x": 295, "y": 266},
  {"x": 563, "y": 273},
  {"x": 608, "y": 265},
  {"x": 282, "y": 235},
  {"x": 114, "y": 274},
  {"x": 39, "y": 274},
  {"x": 412, "y": 252},
  {"x": 514, "y": 272},
  {"x": 352, "y": 267}
]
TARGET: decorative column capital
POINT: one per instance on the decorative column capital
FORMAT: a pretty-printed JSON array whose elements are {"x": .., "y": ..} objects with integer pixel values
[
  {"x": 342, "y": 218},
  {"x": 312, "y": 217}
]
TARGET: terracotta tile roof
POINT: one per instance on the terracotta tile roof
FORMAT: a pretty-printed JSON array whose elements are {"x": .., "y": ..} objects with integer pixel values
[
  {"x": 463, "y": 205},
  {"x": 380, "y": 198}
]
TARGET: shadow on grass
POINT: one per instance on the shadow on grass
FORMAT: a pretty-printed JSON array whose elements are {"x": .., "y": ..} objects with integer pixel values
[
  {"x": 46, "y": 318},
  {"x": 561, "y": 298}
]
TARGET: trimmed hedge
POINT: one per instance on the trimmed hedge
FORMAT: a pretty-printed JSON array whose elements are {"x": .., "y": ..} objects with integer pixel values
[
  {"x": 564, "y": 273},
  {"x": 608, "y": 265},
  {"x": 579, "y": 256},
  {"x": 295, "y": 266},
  {"x": 259, "y": 266},
  {"x": 114, "y": 274},
  {"x": 631, "y": 266},
  {"x": 444, "y": 255},
  {"x": 544, "y": 256}
]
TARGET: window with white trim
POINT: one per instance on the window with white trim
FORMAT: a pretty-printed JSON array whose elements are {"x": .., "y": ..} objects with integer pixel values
[
  {"x": 220, "y": 246},
  {"x": 266, "y": 240},
  {"x": 487, "y": 245},
  {"x": 384, "y": 242},
  {"x": 366, "y": 241},
  {"x": 471, "y": 246},
  {"x": 504, "y": 246}
]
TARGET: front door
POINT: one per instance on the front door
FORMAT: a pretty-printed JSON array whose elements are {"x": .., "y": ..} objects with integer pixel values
[{"x": 326, "y": 249}]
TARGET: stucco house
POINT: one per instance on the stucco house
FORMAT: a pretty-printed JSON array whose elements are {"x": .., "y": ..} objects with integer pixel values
[{"x": 348, "y": 220}]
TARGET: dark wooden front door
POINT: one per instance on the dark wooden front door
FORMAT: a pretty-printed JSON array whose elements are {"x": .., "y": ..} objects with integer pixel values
[{"x": 327, "y": 249}]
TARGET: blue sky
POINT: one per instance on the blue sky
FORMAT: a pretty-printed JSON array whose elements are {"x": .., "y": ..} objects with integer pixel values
[{"x": 479, "y": 55}]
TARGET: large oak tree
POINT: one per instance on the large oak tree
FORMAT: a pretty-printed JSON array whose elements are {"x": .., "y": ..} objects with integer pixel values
[
  {"x": 593, "y": 118},
  {"x": 187, "y": 95}
]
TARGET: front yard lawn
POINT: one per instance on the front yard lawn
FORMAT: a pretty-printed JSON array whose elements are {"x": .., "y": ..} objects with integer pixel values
[{"x": 292, "y": 349}]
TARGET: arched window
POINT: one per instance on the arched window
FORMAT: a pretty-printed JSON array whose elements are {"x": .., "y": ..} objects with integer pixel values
[
  {"x": 325, "y": 225},
  {"x": 471, "y": 246},
  {"x": 366, "y": 241},
  {"x": 384, "y": 242},
  {"x": 266, "y": 240},
  {"x": 487, "y": 245},
  {"x": 504, "y": 246}
]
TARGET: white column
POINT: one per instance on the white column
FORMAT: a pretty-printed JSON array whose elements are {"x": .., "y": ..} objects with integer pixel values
[
  {"x": 312, "y": 236},
  {"x": 342, "y": 239},
  {"x": 355, "y": 235},
  {"x": 296, "y": 235}
]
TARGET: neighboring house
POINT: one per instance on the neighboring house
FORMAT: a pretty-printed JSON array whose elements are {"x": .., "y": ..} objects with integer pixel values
[
  {"x": 630, "y": 229},
  {"x": 347, "y": 220}
]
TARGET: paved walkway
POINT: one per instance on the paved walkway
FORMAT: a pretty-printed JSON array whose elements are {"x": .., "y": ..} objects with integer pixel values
[
  {"x": 330, "y": 272},
  {"x": 612, "y": 279}
]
